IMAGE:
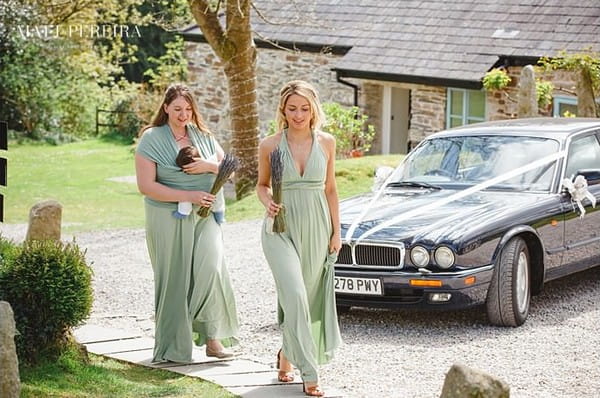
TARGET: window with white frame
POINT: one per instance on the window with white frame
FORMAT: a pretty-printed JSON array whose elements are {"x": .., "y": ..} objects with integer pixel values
[
  {"x": 562, "y": 105},
  {"x": 465, "y": 107}
]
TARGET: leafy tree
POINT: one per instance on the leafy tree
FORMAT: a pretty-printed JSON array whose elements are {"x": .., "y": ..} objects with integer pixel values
[{"x": 231, "y": 40}]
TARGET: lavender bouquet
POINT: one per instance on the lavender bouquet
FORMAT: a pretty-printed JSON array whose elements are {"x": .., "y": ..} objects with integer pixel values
[
  {"x": 228, "y": 166},
  {"x": 276, "y": 180}
]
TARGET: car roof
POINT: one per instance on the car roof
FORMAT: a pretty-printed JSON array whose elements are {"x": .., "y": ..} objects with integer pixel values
[{"x": 558, "y": 128}]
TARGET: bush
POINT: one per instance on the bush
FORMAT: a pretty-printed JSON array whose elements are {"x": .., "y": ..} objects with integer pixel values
[
  {"x": 49, "y": 286},
  {"x": 496, "y": 79},
  {"x": 353, "y": 136}
]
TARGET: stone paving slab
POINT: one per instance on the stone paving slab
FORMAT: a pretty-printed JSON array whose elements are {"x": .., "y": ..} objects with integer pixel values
[
  {"x": 144, "y": 357},
  {"x": 248, "y": 379},
  {"x": 115, "y": 346},
  {"x": 245, "y": 375},
  {"x": 279, "y": 391},
  {"x": 94, "y": 334},
  {"x": 221, "y": 368}
]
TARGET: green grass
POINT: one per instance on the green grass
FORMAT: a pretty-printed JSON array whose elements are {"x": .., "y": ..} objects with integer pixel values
[
  {"x": 77, "y": 175},
  {"x": 71, "y": 377}
]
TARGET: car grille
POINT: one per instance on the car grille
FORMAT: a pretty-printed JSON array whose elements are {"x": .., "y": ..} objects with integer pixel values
[{"x": 371, "y": 255}]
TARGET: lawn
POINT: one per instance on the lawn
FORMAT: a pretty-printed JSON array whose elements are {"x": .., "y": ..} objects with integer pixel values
[
  {"x": 71, "y": 377},
  {"x": 92, "y": 181}
]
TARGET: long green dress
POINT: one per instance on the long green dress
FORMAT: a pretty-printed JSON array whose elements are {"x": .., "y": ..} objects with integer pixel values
[
  {"x": 193, "y": 293},
  {"x": 302, "y": 266}
]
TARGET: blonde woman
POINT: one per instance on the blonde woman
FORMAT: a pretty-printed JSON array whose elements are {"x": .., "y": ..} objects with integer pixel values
[
  {"x": 193, "y": 295},
  {"x": 302, "y": 257}
]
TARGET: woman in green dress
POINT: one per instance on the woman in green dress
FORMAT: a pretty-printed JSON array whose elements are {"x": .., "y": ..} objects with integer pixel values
[
  {"x": 193, "y": 295},
  {"x": 302, "y": 257}
]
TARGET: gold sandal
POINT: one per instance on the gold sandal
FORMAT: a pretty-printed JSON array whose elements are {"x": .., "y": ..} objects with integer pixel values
[
  {"x": 312, "y": 391},
  {"x": 282, "y": 375}
]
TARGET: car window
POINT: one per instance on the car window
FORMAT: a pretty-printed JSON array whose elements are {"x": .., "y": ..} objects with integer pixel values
[
  {"x": 584, "y": 153},
  {"x": 475, "y": 159}
]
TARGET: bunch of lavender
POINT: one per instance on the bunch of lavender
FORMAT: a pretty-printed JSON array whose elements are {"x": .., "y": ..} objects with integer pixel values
[
  {"x": 228, "y": 166},
  {"x": 276, "y": 180}
]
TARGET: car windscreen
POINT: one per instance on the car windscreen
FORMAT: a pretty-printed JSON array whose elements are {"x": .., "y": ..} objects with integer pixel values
[{"x": 470, "y": 160}]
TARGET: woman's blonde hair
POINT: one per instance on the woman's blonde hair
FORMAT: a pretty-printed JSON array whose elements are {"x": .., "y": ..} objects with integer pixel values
[
  {"x": 306, "y": 90},
  {"x": 173, "y": 92}
]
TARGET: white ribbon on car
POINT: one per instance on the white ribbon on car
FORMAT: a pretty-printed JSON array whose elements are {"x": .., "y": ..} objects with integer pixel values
[
  {"x": 459, "y": 195},
  {"x": 578, "y": 191}
]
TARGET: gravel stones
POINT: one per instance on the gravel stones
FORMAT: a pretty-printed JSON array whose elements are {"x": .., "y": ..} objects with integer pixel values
[{"x": 556, "y": 353}]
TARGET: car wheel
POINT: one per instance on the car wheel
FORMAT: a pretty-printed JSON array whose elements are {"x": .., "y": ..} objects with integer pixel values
[{"x": 509, "y": 294}]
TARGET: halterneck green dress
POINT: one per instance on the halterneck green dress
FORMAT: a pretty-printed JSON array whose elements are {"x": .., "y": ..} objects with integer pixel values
[
  {"x": 193, "y": 294},
  {"x": 302, "y": 266}
]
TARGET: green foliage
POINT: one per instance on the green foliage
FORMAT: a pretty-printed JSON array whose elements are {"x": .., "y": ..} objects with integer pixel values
[
  {"x": 49, "y": 286},
  {"x": 587, "y": 61},
  {"x": 50, "y": 86},
  {"x": 544, "y": 91},
  {"x": 496, "y": 79},
  {"x": 169, "y": 67},
  {"x": 352, "y": 133}
]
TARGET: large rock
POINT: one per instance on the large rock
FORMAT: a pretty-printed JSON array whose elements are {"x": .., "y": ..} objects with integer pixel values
[
  {"x": 528, "y": 106},
  {"x": 462, "y": 381},
  {"x": 10, "y": 385},
  {"x": 44, "y": 221}
]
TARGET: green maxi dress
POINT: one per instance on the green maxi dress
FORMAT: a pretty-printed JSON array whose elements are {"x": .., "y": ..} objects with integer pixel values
[
  {"x": 193, "y": 294},
  {"x": 302, "y": 266}
]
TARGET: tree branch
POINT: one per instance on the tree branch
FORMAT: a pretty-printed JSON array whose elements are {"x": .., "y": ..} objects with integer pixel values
[{"x": 208, "y": 21}]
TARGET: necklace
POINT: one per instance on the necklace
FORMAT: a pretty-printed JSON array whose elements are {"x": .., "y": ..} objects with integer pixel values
[{"x": 177, "y": 139}]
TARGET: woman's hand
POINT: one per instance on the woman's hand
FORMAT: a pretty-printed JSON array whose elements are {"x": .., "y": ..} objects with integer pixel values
[
  {"x": 200, "y": 166},
  {"x": 273, "y": 208},
  {"x": 335, "y": 243},
  {"x": 201, "y": 198}
]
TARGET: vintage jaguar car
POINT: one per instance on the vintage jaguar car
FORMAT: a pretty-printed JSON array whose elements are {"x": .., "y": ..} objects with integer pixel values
[{"x": 481, "y": 214}]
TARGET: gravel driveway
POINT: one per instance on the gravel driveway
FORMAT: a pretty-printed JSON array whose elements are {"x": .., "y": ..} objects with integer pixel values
[{"x": 556, "y": 353}]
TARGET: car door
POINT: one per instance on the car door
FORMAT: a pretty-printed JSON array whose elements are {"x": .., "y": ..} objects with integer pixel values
[{"x": 582, "y": 234}]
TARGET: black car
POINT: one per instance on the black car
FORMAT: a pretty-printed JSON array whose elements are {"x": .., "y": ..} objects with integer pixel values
[{"x": 485, "y": 213}]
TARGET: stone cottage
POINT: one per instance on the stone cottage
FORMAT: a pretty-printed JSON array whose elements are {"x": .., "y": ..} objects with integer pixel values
[{"x": 414, "y": 67}]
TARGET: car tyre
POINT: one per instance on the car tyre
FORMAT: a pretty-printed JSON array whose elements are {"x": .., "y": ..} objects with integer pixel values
[{"x": 509, "y": 293}]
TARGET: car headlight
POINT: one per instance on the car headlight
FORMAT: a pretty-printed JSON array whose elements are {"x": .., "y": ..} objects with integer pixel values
[
  {"x": 419, "y": 256},
  {"x": 444, "y": 257}
]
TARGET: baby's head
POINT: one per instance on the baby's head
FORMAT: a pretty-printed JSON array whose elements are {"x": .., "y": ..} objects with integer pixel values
[{"x": 186, "y": 155}]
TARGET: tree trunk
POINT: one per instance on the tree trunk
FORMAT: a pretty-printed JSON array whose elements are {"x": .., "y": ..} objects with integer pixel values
[
  {"x": 235, "y": 47},
  {"x": 241, "y": 79},
  {"x": 586, "y": 106}
]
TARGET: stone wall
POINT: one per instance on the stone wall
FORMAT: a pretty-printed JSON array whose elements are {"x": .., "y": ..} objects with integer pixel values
[
  {"x": 371, "y": 101},
  {"x": 274, "y": 69},
  {"x": 503, "y": 104},
  {"x": 428, "y": 112}
]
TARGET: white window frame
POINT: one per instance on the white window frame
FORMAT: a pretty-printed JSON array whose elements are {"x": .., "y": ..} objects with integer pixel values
[
  {"x": 560, "y": 99},
  {"x": 465, "y": 106}
]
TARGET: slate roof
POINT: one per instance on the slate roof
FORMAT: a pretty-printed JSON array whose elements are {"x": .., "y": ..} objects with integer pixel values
[{"x": 431, "y": 40}]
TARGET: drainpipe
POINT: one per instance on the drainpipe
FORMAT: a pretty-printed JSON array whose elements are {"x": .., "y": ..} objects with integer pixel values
[{"x": 354, "y": 86}]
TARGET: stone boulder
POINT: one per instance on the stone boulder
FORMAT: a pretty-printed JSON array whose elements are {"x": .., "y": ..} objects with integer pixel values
[
  {"x": 44, "y": 221},
  {"x": 462, "y": 381},
  {"x": 10, "y": 385}
]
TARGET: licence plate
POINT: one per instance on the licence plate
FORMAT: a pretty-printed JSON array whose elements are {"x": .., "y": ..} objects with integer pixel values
[{"x": 345, "y": 284}]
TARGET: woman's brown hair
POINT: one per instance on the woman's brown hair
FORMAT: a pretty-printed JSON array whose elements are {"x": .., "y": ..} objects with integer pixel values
[{"x": 173, "y": 92}]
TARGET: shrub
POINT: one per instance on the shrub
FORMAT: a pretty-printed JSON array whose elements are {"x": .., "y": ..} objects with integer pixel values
[
  {"x": 352, "y": 134},
  {"x": 496, "y": 79},
  {"x": 48, "y": 285}
]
